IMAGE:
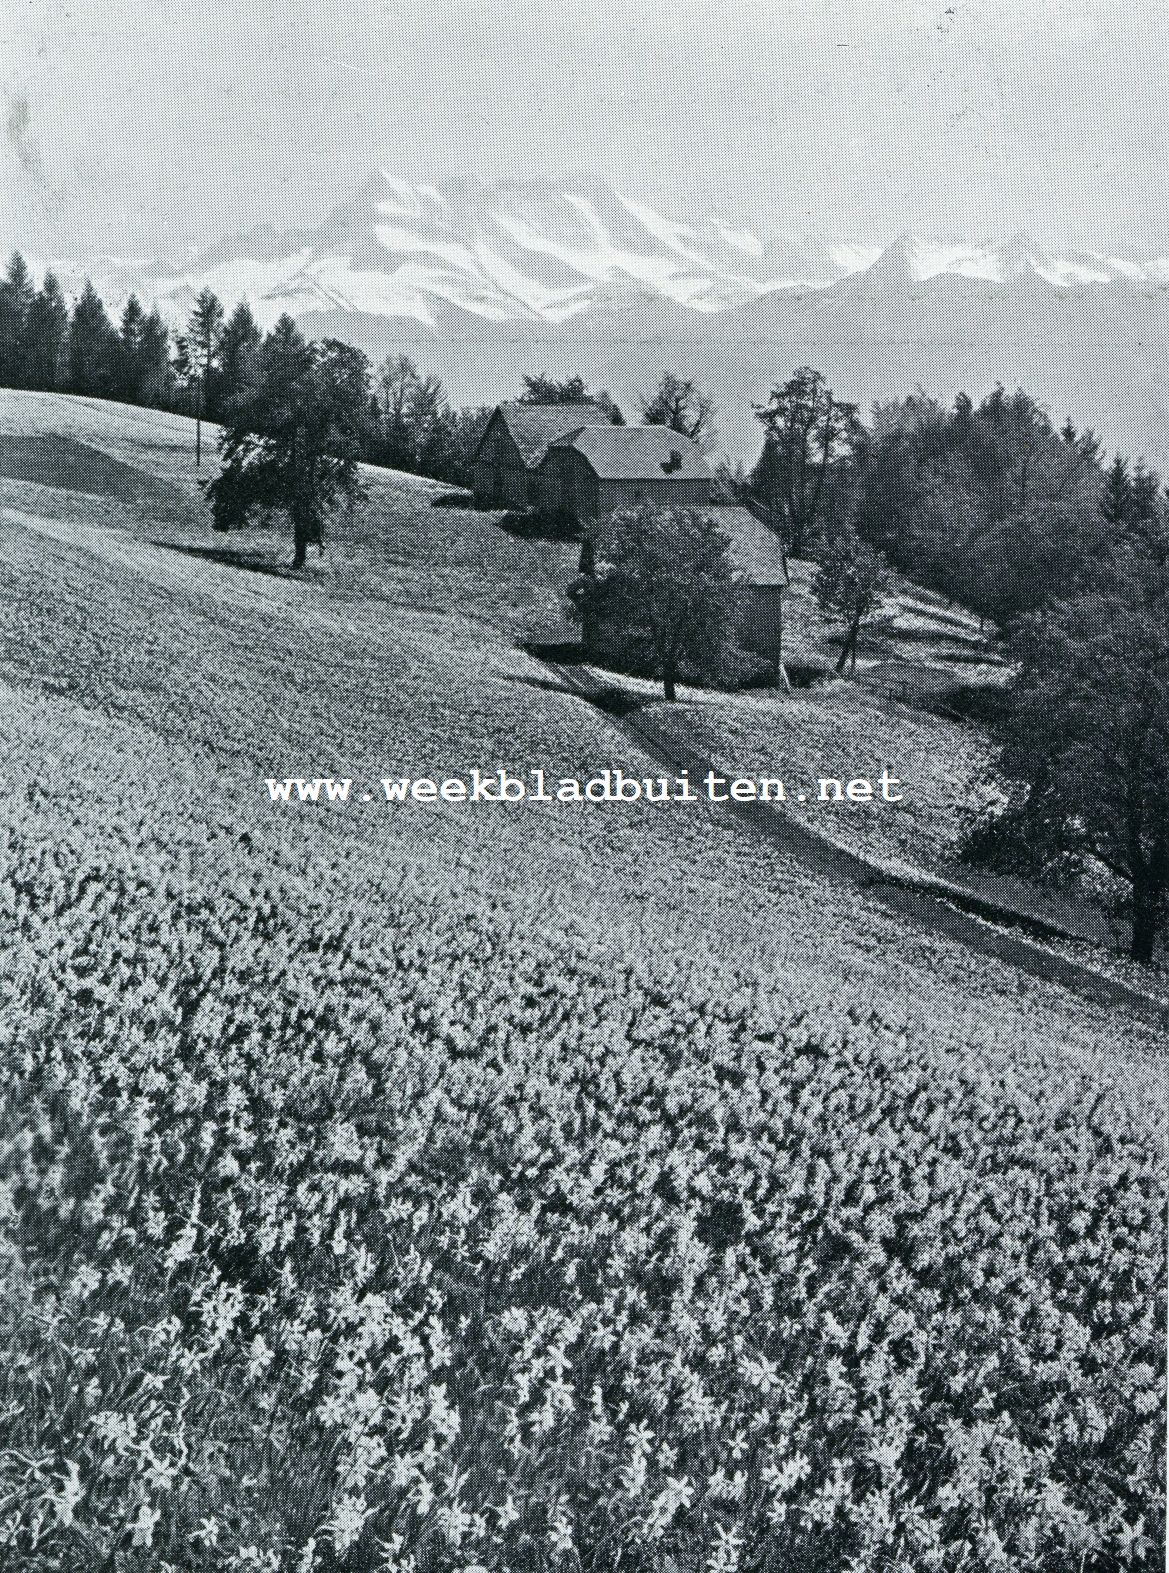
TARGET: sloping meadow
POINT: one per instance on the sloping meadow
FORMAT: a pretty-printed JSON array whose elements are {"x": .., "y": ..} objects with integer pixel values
[
  {"x": 522, "y": 1191},
  {"x": 353, "y": 1223}
]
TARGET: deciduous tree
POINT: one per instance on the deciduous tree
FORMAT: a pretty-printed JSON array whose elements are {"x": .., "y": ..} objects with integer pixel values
[
  {"x": 663, "y": 575},
  {"x": 807, "y": 430},
  {"x": 292, "y": 440},
  {"x": 680, "y": 404},
  {"x": 1087, "y": 750},
  {"x": 848, "y": 585}
]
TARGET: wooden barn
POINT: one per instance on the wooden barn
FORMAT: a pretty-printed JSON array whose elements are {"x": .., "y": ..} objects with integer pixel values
[
  {"x": 514, "y": 443},
  {"x": 590, "y": 471}
]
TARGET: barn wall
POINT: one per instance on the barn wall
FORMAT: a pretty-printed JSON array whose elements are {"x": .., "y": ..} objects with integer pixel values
[
  {"x": 566, "y": 484},
  {"x": 500, "y": 478}
]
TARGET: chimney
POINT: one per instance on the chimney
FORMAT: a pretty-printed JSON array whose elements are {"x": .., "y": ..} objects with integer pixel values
[{"x": 674, "y": 462}]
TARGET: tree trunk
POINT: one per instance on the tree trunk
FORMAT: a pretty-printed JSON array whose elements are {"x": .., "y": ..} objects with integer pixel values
[
  {"x": 669, "y": 678},
  {"x": 848, "y": 648},
  {"x": 198, "y": 422},
  {"x": 302, "y": 534},
  {"x": 780, "y": 669},
  {"x": 1144, "y": 924}
]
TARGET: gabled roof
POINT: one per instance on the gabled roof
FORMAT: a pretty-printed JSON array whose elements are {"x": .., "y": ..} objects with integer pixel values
[
  {"x": 755, "y": 550},
  {"x": 637, "y": 453},
  {"x": 534, "y": 426}
]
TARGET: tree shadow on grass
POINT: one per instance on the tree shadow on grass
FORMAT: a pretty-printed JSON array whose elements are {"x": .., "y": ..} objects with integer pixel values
[
  {"x": 534, "y": 525},
  {"x": 250, "y": 561}
]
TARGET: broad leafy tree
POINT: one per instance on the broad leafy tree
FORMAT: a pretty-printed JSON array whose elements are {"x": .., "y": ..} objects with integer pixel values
[
  {"x": 663, "y": 576},
  {"x": 1087, "y": 750},
  {"x": 543, "y": 389},
  {"x": 808, "y": 432},
  {"x": 291, "y": 439},
  {"x": 848, "y": 585}
]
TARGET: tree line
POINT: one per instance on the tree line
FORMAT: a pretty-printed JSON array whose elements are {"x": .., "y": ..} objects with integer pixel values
[{"x": 403, "y": 417}]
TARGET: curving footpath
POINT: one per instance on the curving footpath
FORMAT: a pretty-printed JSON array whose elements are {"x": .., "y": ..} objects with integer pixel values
[{"x": 941, "y": 908}]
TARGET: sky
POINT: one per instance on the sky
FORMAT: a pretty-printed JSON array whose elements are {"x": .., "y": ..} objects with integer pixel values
[{"x": 141, "y": 131}]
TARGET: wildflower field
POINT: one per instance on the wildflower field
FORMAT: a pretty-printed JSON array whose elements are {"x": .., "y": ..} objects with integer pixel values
[{"x": 447, "y": 1189}]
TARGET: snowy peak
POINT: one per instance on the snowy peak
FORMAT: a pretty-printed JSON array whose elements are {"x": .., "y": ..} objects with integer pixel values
[
  {"x": 912, "y": 259},
  {"x": 546, "y": 252}
]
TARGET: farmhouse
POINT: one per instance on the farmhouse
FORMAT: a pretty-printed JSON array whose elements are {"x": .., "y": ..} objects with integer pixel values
[
  {"x": 514, "y": 442},
  {"x": 569, "y": 459},
  {"x": 592, "y": 470}
]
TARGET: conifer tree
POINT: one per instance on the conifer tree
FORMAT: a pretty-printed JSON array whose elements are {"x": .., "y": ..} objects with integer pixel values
[
  {"x": 238, "y": 343},
  {"x": 203, "y": 329},
  {"x": 44, "y": 341},
  {"x": 93, "y": 346},
  {"x": 1116, "y": 496},
  {"x": 154, "y": 374},
  {"x": 129, "y": 380},
  {"x": 16, "y": 296}
]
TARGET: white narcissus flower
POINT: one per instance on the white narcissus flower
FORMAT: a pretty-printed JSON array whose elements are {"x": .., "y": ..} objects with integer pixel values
[{"x": 143, "y": 1527}]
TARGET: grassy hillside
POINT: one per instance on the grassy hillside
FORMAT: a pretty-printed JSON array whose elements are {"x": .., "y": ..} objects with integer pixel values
[{"x": 513, "y": 1186}]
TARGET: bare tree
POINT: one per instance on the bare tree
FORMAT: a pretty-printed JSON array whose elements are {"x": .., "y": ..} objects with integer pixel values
[{"x": 680, "y": 404}]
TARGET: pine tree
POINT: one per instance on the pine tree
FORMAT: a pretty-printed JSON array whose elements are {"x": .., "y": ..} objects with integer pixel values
[
  {"x": 238, "y": 343},
  {"x": 154, "y": 374},
  {"x": 1116, "y": 496},
  {"x": 130, "y": 351},
  {"x": 93, "y": 347},
  {"x": 44, "y": 341},
  {"x": 203, "y": 329},
  {"x": 16, "y": 297}
]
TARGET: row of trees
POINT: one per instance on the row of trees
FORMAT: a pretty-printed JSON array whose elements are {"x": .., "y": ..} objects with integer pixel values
[
  {"x": 46, "y": 345},
  {"x": 405, "y": 420}
]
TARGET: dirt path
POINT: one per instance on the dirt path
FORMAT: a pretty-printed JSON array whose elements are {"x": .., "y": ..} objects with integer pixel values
[{"x": 951, "y": 913}]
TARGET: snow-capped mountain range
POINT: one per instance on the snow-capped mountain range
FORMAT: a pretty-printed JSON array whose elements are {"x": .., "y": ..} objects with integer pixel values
[
  {"x": 483, "y": 280},
  {"x": 547, "y": 252}
]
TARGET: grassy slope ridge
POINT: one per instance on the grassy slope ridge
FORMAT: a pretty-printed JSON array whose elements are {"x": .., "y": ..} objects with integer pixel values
[{"x": 456, "y": 1142}]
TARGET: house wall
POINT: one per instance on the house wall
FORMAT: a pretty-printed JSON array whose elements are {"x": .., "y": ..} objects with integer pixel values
[
  {"x": 659, "y": 494},
  {"x": 500, "y": 477},
  {"x": 565, "y": 483},
  {"x": 760, "y": 617}
]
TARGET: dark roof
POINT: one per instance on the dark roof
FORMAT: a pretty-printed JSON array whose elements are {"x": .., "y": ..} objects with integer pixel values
[
  {"x": 755, "y": 550},
  {"x": 534, "y": 426},
  {"x": 637, "y": 453}
]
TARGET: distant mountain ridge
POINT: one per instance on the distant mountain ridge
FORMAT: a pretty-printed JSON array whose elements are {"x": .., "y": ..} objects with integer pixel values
[
  {"x": 485, "y": 279},
  {"x": 511, "y": 250}
]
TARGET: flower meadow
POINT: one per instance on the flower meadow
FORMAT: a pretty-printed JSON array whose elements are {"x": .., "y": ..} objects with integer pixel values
[
  {"x": 532, "y": 1196},
  {"x": 407, "y": 1233}
]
